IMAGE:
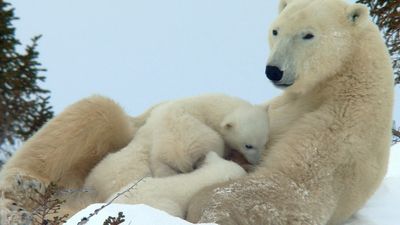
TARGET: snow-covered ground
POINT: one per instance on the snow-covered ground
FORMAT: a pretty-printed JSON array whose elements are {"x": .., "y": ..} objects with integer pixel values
[
  {"x": 382, "y": 209},
  {"x": 134, "y": 215}
]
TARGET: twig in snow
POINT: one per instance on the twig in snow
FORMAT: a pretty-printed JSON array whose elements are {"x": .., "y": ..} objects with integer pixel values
[{"x": 84, "y": 220}]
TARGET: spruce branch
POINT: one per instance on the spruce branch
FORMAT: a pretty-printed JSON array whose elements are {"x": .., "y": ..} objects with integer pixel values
[{"x": 47, "y": 205}]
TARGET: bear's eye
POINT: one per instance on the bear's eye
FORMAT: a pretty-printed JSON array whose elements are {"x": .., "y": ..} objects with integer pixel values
[
  {"x": 249, "y": 146},
  {"x": 308, "y": 36},
  {"x": 274, "y": 32}
]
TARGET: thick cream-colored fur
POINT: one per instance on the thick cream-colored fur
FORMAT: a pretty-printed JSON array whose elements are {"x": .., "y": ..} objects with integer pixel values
[
  {"x": 129, "y": 162},
  {"x": 77, "y": 148},
  {"x": 185, "y": 130},
  {"x": 64, "y": 151},
  {"x": 175, "y": 136},
  {"x": 68, "y": 146},
  {"x": 115, "y": 171},
  {"x": 330, "y": 129},
  {"x": 172, "y": 194}
]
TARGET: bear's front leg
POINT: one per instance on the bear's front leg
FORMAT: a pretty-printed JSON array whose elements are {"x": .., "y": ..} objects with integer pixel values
[{"x": 269, "y": 200}]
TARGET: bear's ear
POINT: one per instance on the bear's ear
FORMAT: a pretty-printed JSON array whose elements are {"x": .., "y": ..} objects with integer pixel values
[
  {"x": 282, "y": 5},
  {"x": 357, "y": 14}
]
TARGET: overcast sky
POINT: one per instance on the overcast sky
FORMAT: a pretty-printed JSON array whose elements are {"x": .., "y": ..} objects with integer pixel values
[{"x": 143, "y": 52}]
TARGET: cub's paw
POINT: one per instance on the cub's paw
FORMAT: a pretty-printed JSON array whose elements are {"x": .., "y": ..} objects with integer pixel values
[{"x": 11, "y": 213}]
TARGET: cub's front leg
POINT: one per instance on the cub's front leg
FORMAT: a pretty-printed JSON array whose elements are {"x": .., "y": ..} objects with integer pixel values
[{"x": 179, "y": 142}]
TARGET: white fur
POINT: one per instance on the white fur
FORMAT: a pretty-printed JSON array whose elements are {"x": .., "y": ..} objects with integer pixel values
[
  {"x": 172, "y": 194},
  {"x": 178, "y": 134},
  {"x": 184, "y": 130},
  {"x": 330, "y": 129}
]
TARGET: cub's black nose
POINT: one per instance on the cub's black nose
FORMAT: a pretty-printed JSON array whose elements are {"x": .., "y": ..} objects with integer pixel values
[{"x": 274, "y": 73}]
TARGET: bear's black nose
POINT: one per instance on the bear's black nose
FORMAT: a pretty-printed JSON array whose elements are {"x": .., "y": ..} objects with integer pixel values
[{"x": 274, "y": 73}]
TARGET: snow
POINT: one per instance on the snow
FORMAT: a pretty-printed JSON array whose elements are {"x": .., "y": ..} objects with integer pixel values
[
  {"x": 134, "y": 215},
  {"x": 394, "y": 162},
  {"x": 382, "y": 209}
]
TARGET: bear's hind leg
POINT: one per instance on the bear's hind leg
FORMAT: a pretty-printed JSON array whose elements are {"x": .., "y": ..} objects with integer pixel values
[
  {"x": 66, "y": 148},
  {"x": 73, "y": 142},
  {"x": 12, "y": 213}
]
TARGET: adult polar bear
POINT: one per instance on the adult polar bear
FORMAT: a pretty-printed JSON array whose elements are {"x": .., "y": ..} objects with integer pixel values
[{"x": 330, "y": 130}]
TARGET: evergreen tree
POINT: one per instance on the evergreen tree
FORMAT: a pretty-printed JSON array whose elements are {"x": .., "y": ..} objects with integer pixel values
[{"x": 24, "y": 105}]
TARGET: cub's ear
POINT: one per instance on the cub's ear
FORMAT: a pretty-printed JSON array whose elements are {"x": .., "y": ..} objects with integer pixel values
[
  {"x": 283, "y": 4},
  {"x": 227, "y": 125},
  {"x": 357, "y": 14},
  {"x": 266, "y": 108}
]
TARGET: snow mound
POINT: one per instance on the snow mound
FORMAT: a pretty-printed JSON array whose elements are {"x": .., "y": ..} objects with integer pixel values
[
  {"x": 394, "y": 162},
  {"x": 134, "y": 215}
]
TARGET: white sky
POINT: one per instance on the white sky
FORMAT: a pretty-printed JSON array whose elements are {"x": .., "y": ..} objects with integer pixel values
[{"x": 143, "y": 52}]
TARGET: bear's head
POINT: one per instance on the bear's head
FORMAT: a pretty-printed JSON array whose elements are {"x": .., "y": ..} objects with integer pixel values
[
  {"x": 246, "y": 130},
  {"x": 312, "y": 40}
]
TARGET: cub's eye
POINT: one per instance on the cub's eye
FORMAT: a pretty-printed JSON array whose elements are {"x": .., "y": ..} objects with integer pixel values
[
  {"x": 249, "y": 146},
  {"x": 274, "y": 32},
  {"x": 308, "y": 36}
]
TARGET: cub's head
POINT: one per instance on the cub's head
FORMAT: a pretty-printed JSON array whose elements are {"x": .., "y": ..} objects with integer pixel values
[
  {"x": 312, "y": 40},
  {"x": 246, "y": 130}
]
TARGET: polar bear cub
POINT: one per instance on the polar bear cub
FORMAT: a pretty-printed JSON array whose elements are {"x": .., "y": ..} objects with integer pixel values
[
  {"x": 185, "y": 130},
  {"x": 176, "y": 135},
  {"x": 172, "y": 194}
]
